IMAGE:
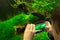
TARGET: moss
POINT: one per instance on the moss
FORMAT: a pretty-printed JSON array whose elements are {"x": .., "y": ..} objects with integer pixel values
[{"x": 41, "y": 36}]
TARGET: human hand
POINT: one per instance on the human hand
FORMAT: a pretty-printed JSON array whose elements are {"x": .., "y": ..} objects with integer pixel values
[
  {"x": 49, "y": 28},
  {"x": 29, "y": 32}
]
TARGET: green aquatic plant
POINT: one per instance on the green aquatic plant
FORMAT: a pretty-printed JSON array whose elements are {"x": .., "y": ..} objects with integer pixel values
[
  {"x": 36, "y": 5},
  {"x": 44, "y": 7},
  {"x": 41, "y": 36},
  {"x": 7, "y": 30}
]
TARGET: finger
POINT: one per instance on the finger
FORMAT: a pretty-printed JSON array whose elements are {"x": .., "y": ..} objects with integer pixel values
[
  {"x": 34, "y": 28},
  {"x": 28, "y": 27},
  {"x": 48, "y": 24},
  {"x": 48, "y": 27},
  {"x": 38, "y": 31},
  {"x": 31, "y": 28}
]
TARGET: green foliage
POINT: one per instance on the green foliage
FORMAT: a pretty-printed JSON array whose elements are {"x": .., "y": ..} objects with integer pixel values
[
  {"x": 7, "y": 27},
  {"x": 43, "y": 6},
  {"x": 38, "y": 5},
  {"x": 17, "y": 2},
  {"x": 21, "y": 19},
  {"x": 17, "y": 38},
  {"x": 6, "y": 31},
  {"x": 32, "y": 17},
  {"x": 41, "y": 36}
]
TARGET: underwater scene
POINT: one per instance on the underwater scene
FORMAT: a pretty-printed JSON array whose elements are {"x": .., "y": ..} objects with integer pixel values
[{"x": 16, "y": 14}]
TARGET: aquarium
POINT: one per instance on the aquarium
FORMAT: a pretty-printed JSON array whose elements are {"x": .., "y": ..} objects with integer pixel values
[{"x": 16, "y": 14}]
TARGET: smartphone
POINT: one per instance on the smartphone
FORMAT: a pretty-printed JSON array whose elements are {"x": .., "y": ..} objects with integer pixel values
[{"x": 41, "y": 26}]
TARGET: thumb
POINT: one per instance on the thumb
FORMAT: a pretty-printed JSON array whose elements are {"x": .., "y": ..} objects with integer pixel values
[
  {"x": 38, "y": 31},
  {"x": 48, "y": 26}
]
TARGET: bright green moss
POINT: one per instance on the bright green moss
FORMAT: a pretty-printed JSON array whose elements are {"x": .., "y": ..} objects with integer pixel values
[{"x": 41, "y": 36}]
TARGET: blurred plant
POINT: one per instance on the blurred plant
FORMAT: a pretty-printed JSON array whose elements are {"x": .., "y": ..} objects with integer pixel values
[
  {"x": 7, "y": 27},
  {"x": 17, "y": 2},
  {"x": 41, "y": 6},
  {"x": 21, "y": 19},
  {"x": 6, "y": 31},
  {"x": 40, "y": 35},
  {"x": 17, "y": 38}
]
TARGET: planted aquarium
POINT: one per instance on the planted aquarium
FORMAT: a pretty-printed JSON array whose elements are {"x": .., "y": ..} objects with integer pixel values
[{"x": 16, "y": 14}]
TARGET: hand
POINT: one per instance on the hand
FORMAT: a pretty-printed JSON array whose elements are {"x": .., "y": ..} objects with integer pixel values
[
  {"x": 49, "y": 28},
  {"x": 29, "y": 32}
]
